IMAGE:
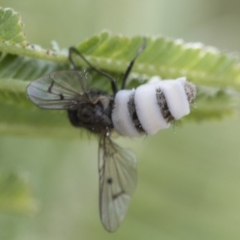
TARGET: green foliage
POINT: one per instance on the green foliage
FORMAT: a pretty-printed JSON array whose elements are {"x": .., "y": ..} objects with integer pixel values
[
  {"x": 11, "y": 27},
  {"x": 215, "y": 103},
  {"x": 22, "y": 62}
]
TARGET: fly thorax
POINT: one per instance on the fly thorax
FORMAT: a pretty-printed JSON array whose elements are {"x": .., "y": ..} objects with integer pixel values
[{"x": 94, "y": 115}]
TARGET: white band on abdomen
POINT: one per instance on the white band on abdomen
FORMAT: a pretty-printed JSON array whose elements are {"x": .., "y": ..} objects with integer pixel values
[
  {"x": 148, "y": 110},
  {"x": 176, "y": 97},
  {"x": 120, "y": 115}
]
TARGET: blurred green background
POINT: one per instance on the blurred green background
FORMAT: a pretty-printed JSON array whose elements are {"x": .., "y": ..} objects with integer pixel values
[{"x": 189, "y": 176}]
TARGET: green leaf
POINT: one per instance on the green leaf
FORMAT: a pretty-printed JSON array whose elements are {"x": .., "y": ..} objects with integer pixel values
[
  {"x": 215, "y": 103},
  {"x": 164, "y": 57},
  {"x": 21, "y": 63},
  {"x": 15, "y": 195},
  {"x": 11, "y": 27}
]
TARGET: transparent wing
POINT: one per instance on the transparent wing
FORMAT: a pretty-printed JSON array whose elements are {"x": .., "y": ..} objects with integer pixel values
[
  {"x": 117, "y": 182},
  {"x": 60, "y": 90}
]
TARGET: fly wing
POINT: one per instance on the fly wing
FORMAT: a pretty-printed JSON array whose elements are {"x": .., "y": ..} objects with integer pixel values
[
  {"x": 60, "y": 90},
  {"x": 117, "y": 182}
]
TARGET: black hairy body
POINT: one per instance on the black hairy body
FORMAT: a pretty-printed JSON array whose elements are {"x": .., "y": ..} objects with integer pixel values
[{"x": 95, "y": 114}]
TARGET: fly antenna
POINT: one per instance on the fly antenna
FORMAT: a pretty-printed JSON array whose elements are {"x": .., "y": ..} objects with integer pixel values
[{"x": 70, "y": 57}]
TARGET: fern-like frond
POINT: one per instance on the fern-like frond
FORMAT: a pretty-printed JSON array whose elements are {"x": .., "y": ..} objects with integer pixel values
[{"x": 22, "y": 62}]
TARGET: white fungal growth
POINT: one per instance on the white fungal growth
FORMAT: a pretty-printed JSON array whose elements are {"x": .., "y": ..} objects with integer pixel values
[
  {"x": 152, "y": 106},
  {"x": 176, "y": 97},
  {"x": 148, "y": 110},
  {"x": 121, "y": 115}
]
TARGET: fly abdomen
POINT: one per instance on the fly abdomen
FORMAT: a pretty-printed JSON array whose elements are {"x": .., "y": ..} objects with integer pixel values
[
  {"x": 152, "y": 106},
  {"x": 121, "y": 115}
]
